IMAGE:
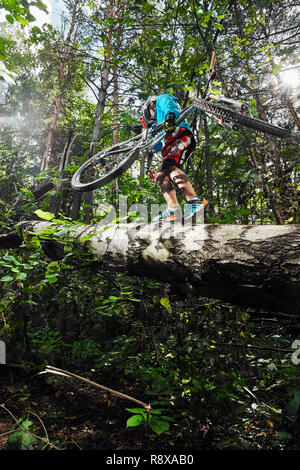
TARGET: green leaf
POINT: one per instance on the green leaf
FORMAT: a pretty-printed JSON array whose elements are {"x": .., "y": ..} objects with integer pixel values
[
  {"x": 12, "y": 258},
  {"x": 53, "y": 267},
  {"x": 21, "y": 20},
  {"x": 136, "y": 410},
  {"x": 51, "y": 278},
  {"x": 6, "y": 279},
  {"x": 21, "y": 276},
  {"x": 41, "y": 5},
  {"x": 10, "y": 19},
  {"x": 135, "y": 420},
  {"x": 87, "y": 237},
  {"x": 159, "y": 426},
  {"x": 21, "y": 439},
  {"x": 27, "y": 266},
  {"x": 44, "y": 215},
  {"x": 284, "y": 436},
  {"x": 36, "y": 30},
  {"x": 245, "y": 176},
  {"x": 166, "y": 303}
]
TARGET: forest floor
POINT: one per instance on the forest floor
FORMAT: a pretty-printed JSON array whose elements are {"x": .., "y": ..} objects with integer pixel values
[
  {"x": 67, "y": 414},
  {"x": 77, "y": 416}
]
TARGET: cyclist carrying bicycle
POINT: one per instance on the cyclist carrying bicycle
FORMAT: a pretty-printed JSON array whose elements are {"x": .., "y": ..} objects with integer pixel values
[
  {"x": 175, "y": 149},
  {"x": 177, "y": 145}
]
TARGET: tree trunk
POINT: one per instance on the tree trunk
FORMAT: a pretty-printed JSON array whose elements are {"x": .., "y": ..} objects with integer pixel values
[
  {"x": 100, "y": 110},
  {"x": 51, "y": 133},
  {"x": 62, "y": 77},
  {"x": 273, "y": 154},
  {"x": 263, "y": 181},
  {"x": 77, "y": 197},
  {"x": 104, "y": 85},
  {"x": 292, "y": 110},
  {"x": 114, "y": 11},
  {"x": 56, "y": 199},
  {"x": 116, "y": 106},
  {"x": 250, "y": 265}
]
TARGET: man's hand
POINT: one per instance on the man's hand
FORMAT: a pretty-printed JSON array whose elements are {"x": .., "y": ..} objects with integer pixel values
[{"x": 170, "y": 125}]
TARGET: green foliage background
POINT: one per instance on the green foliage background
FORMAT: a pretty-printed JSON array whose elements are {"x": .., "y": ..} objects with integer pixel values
[{"x": 198, "y": 361}]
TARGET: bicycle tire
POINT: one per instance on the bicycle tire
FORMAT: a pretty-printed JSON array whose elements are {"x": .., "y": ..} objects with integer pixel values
[
  {"x": 100, "y": 162},
  {"x": 239, "y": 119}
]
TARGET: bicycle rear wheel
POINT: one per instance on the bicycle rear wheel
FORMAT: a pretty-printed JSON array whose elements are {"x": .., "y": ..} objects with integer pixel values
[
  {"x": 106, "y": 166},
  {"x": 239, "y": 119}
]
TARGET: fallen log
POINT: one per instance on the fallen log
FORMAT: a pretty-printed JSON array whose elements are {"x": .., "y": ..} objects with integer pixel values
[{"x": 249, "y": 265}]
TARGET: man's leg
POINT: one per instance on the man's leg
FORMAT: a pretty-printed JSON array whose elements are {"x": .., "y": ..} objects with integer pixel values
[
  {"x": 174, "y": 153},
  {"x": 169, "y": 193},
  {"x": 194, "y": 203},
  {"x": 181, "y": 180},
  {"x": 167, "y": 189}
]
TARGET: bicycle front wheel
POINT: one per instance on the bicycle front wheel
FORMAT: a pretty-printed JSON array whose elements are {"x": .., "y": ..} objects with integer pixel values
[
  {"x": 106, "y": 166},
  {"x": 239, "y": 119}
]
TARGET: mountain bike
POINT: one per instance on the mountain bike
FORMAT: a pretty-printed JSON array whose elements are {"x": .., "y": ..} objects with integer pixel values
[{"x": 112, "y": 162}]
